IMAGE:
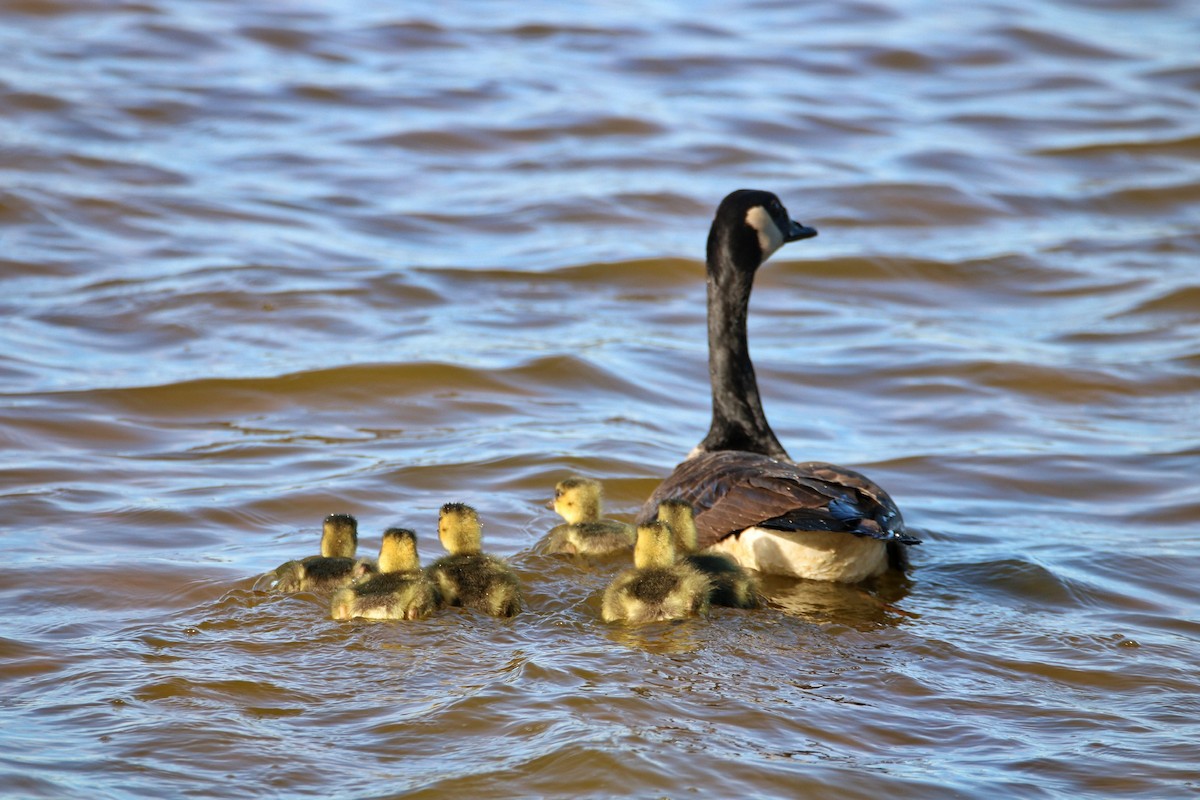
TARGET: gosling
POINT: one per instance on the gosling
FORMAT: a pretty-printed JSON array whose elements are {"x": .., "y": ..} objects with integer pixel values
[
  {"x": 469, "y": 577},
  {"x": 658, "y": 587},
  {"x": 334, "y": 568},
  {"x": 733, "y": 586},
  {"x": 577, "y": 500},
  {"x": 400, "y": 590}
]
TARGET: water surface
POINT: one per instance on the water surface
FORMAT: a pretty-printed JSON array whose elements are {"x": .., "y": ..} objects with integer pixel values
[{"x": 266, "y": 263}]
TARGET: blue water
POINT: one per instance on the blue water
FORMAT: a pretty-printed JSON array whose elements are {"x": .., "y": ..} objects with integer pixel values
[{"x": 265, "y": 263}]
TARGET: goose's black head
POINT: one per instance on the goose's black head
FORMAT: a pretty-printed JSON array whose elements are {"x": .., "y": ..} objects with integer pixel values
[{"x": 749, "y": 226}]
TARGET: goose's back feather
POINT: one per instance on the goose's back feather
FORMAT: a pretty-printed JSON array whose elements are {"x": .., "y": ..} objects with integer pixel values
[{"x": 732, "y": 490}]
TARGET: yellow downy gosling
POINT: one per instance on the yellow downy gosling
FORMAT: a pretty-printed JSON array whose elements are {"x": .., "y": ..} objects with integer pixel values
[
  {"x": 334, "y": 568},
  {"x": 469, "y": 577},
  {"x": 400, "y": 590},
  {"x": 658, "y": 587},
  {"x": 578, "y": 501},
  {"x": 733, "y": 586}
]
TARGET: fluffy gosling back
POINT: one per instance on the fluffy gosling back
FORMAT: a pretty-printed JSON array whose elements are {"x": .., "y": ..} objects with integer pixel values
[
  {"x": 657, "y": 588},
  {"x": 334, "y": 568},
  {"x": 400, "y": 590},
  {"x": 469, "y": 577}
]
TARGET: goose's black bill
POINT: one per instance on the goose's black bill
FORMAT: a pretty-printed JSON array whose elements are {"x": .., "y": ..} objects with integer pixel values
[{"x": 796, "y": 231}]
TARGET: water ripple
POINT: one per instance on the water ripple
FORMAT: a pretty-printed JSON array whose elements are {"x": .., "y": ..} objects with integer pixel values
[{"x": 263, "y": 264}]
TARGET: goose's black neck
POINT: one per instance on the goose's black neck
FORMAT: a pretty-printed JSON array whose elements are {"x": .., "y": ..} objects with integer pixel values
[{"x": 738, "y": 421}]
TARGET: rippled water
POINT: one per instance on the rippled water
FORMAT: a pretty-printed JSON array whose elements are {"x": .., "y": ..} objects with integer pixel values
[{"x": 263, "y": 262}]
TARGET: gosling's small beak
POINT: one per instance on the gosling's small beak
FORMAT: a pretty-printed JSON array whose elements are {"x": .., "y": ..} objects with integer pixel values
[
  {"x": 550, "y": 504},
  {"x": 796, "y": 231}
]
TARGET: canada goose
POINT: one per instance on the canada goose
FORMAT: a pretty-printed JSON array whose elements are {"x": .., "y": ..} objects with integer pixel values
[
  {"x": 808, "y": 520},
  {"x": 468, "y": 576},
  {"x": 578, "y": 500},
  {"x": 658, "y": 587},
  {"x": 732, "y": 586},
  {"x": 400, "y": 590},
  {"x": 334, "y": 568}
]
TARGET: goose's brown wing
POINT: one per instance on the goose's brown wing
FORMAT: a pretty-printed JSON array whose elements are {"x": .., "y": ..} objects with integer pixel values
[{"x": 731, "y": 490}]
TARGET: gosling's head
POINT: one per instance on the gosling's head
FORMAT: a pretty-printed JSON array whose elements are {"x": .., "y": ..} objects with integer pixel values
[
  {"x": 339, "y": 538},
  {"x": 398, "y": 553},
  {"x": 578, "y": 500},
  {"x": 679, "y": 517},
  {"x": 655, "y": 546},
  {"x": 459, "y": 529}
]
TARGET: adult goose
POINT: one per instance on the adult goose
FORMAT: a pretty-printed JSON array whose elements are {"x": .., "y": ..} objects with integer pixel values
[{"x": 807, "y": 520}]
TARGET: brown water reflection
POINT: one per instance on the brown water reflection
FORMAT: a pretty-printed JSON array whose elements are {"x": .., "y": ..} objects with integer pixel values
[{"x": 265, "y": 263}]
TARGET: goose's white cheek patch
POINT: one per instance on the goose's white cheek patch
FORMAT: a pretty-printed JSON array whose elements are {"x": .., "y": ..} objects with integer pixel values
[{"x": 770, "y": 238}]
